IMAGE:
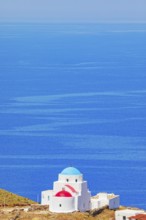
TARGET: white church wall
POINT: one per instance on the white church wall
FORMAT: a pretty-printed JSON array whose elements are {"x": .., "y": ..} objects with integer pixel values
[
  {"x": 84, "y": 202},
  {"x": 103, "y": 202},
  {"x": 114, "y": 203},
  {"x": 46, "y": 197},
  {"x": 79, "y": 186},
  {"x": 105, "y": 199},
  {"x": 94, "y": 204},
  {"x": 76, "y": 202},
  {"x": 62, "y": 204},
  {"x": 81, "y": 205},
  {"x": 103, "y": 195},
  {"x": 70, "y": 178},
  {"x": 58, "y": 186}
]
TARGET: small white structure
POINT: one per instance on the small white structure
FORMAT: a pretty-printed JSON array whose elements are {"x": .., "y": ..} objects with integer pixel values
[
  {"x": 125, "y": 214},
  {"x": 70, "y": 193},
  {"x": 103, "y": 199}
]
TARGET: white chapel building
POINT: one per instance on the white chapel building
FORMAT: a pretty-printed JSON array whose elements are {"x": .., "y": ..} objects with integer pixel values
[{"x": 70, "y": 193}]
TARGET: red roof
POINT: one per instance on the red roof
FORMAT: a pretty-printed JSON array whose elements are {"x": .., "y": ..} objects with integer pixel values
[
  {"x": 138, "y": 217},
  {"x": 63, "y": 193}
]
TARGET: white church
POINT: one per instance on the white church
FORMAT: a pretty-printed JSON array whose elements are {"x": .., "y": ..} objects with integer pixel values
[{"x": 70, "y": 193}]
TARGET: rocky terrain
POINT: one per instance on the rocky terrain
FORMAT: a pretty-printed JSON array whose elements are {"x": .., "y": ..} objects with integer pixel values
[{"x": 38, "y": 212}]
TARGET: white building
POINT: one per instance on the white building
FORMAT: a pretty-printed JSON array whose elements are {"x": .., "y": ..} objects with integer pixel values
[
  {"x": 105, "y": 199},
  {"x": 125, "y": 214},
  {"x": 70, "y": 193}
]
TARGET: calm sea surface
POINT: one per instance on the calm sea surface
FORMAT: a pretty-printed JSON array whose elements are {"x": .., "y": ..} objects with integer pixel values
[{"x": 73, "y": 95}]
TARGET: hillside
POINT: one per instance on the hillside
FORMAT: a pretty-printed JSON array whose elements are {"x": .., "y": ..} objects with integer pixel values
[
  {"x": 37, "y": 212},
  {"x": 10, "y": 199},
  {"x": 15, "y": 207}
]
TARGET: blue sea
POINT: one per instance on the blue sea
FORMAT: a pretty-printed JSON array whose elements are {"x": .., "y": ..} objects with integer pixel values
[{"x": 73, "y": 95}]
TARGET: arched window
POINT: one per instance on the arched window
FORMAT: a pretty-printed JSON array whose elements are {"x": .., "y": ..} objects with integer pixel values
[
  {"x": 60, "y": 205},
  {"x": 76, "y": 180},
  {"x": 67, "y": 180}
]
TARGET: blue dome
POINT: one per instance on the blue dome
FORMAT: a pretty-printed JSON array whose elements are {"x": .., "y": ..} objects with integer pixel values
[{"x": 71, "y": 171}]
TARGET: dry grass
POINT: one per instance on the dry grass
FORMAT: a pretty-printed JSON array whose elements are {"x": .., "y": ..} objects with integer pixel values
[
  {"x": 106, "y": 214},
  {"x": 36, "y": 215},
  {"x": 10, "y": 199},
  {"x": 71, "y": 216}
]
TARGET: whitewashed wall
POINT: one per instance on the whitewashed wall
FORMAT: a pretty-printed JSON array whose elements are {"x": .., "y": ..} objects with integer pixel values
[
  {"x": 125, "y": 214},
  {"x": 62, "y": 204},
  {"x": 46, "y": 197}
]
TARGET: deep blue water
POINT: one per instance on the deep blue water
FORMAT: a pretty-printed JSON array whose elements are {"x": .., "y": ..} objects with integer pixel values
[{"x": 73, "y": 95}]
